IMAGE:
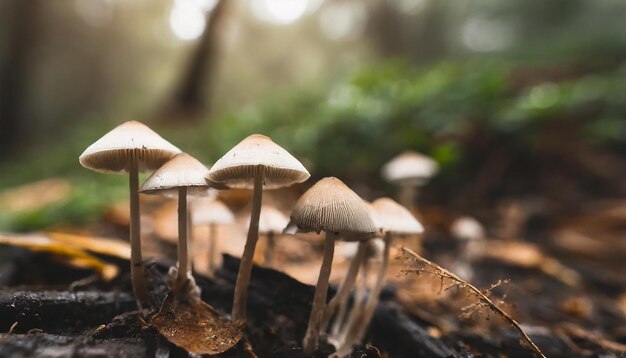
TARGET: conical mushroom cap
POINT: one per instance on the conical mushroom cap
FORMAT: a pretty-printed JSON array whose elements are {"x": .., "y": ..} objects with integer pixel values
[
  {"x": 181, "y": 171},
  {"x": 374, "y": 249},
  {"x": 330, "y": 205},
  {"x": 411, "y": 168},
  {"x": 210, "y": 211},
  {"x": 113, "y": 152},
  {"x": 395, "y": 218},
  {"x": 271, "y": 220},
  {"x": 467, "y": 228},
  {"x": 236, "y": 168}
]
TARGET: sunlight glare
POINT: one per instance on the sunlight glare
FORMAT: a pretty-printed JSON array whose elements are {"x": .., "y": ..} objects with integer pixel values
[
  {"x": 279, "y": 12},
  {"x": 187, "y": 18}
]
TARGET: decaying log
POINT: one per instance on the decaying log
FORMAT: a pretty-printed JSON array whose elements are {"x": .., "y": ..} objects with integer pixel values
[
  {"x": 71, "y": 323},
  {"x": 60, "y": 312}
]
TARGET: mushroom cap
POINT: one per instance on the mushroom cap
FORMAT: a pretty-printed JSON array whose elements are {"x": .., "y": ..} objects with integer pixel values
[
  {"x": 395, "y": 218},
  {"x": 374, "y": 249},
  {"x": 113, "y": 152},
  {"x": 330, "y": 205},
  {"x": 181, "y": 171},
  {"x": 271, "y": 220},
  {"x": 467, "y": 228},
  {"x": 236, "y": 168},
  {"x": 410, "y": 168},
  {"x": 210, "y": 211}
]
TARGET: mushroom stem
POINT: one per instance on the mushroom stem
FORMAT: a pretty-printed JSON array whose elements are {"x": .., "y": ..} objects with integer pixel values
[
  {"x": 183, "y": 255},
  {"x": 346, "y": 332},
  {"x": 341, "y": 297},
  {"x": 360, "y": 326},
  {"x": 311, "y": 338},
  {"x": 407, "y": 195},
  {"x": 138, "y": 278},
  {"x": 269, "y": 249},
  {"x": 212, "y": 247},
  {"x": 340, "y": 319},
  {"x": 245, "y": 267}
]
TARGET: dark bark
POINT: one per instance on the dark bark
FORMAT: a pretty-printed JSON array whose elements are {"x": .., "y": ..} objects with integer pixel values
[
  {"x": 20, "y": 20},
  {"x": 193, "y": 94},
  {"x": 278, "y": 307},
  {"x": 47, "y": 345},
  {"x": 60, "y": 312},
  {"x": 393, "y": 330}
]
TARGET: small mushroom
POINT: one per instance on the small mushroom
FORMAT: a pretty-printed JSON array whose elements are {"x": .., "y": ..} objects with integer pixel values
[
  {"x": 211, "y": 212},
  {"x": 409, "y": 170},
  {"x": 271, "y": 223},
  {"x": 329, "y": 206},
  {"x": 471, "y": 236},
  {"x": 130, "y": 148},
  {"x": 357, "y": 253},
  {"x": 183, "y": 175},
  {"x": 255, "y": 163},
  {"x": 371, "y": 250},
  {"x": 394, "y": 219}
]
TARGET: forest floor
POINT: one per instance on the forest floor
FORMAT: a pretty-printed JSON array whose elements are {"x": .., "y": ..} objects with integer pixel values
[{"x": 560, "y": 278}]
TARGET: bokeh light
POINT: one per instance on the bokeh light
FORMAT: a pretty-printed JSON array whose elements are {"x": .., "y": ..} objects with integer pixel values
[{"x": 280, "y": 12}]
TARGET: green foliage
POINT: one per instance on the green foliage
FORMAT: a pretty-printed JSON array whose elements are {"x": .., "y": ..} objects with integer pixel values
[{"x": 352, "y": 129}]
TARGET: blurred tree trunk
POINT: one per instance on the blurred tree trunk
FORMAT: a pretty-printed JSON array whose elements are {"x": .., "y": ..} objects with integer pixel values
[
  {"x": 19, "y": 20},
  {"x": 192, "y": 96},
  {"x": 421, "y": 36}
]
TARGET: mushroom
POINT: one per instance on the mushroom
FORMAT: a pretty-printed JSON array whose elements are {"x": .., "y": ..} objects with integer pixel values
[
  {"x": 183, "y": 175},
  {"x": 271, "y": 223},
  {"x": 471, "y": 235},
  {"x": 355, "y": 252},
  {"x": 130, "y": 147},
  {"x": 371, "y": 250},
  {"x": 409, "y": 170},
  {"x": 211, "y": 212},
  {"x": 394, "y": 219},
  {"x": 255, "y": 163},
  {"x": 329, "y": 206}
]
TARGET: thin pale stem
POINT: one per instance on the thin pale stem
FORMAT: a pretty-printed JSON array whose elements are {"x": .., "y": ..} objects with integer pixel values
[
  {"x": 361, "y": 325},
  {"x": 269, "y": 249},
  {"x": 183, "y": 248},
  {"x": 340, "y": 319},
  {"x": 138, "y": 278},
  {"x": 341, "y": 297},
  {"x": 407, "y": 196},
  {"x": 311, "y": 338},
  {"x": 212, "y": 247},
  {"x": 357, "y": 307},
  {"x": 245, "y": 267}
]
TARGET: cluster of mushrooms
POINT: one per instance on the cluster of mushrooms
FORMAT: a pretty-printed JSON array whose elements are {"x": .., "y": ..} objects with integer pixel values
[{"x": 257, "y": 163}]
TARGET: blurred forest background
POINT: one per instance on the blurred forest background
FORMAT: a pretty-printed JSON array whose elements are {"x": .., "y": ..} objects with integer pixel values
[{"x": 514, "y": 99}]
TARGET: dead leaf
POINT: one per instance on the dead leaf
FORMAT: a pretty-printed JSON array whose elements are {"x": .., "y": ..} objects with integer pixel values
[
  {"x": 34, "y": 195},
  {"x": 527, "y": 255},
  {"x": 195, "y": 326},
  {"x": 67, "y": 254},
  {"x": 97, "y": 245}
]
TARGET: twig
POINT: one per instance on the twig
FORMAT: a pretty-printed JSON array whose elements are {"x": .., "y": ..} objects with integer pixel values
[{"x": 445, "y": 274}]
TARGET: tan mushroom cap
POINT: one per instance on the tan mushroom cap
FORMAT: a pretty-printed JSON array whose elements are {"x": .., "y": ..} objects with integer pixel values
[
  {"x": 395, "y": 218},
  {"x": 181, "y": 171},
  {"x": 410, "y": 167},
  {"x": 271, "y": 220},
  {"x": 236, "y": 168},
  {"x": 330, "y": 205},
  {"x": 113, "y": 152},
  {"x": 211, "y": 211}
]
